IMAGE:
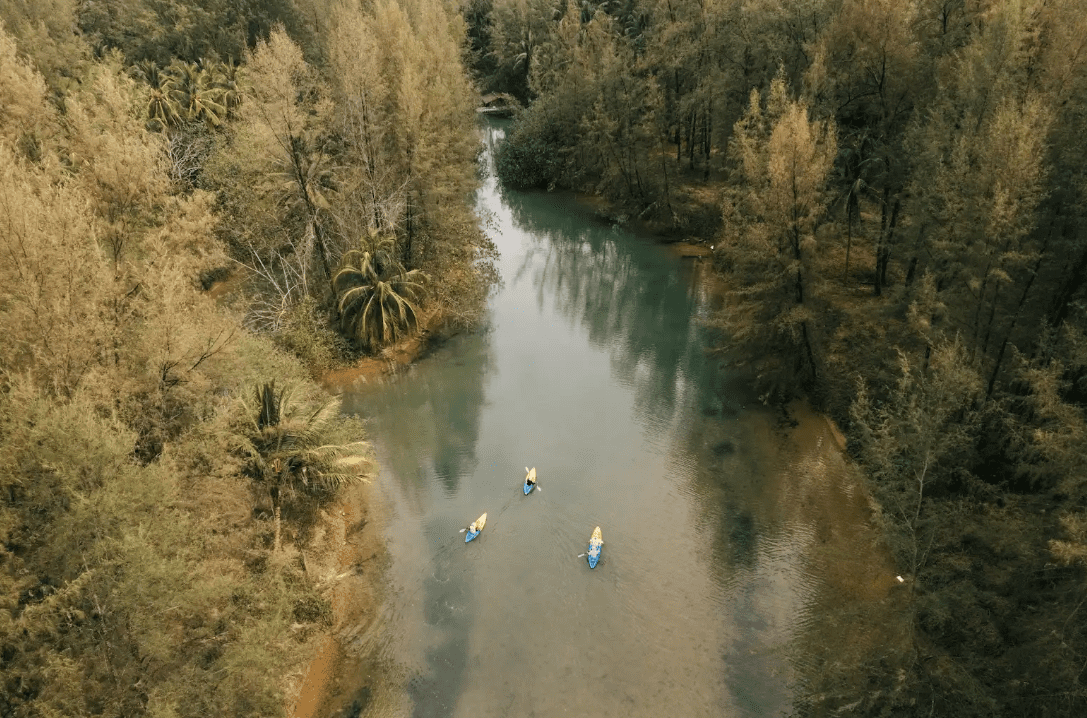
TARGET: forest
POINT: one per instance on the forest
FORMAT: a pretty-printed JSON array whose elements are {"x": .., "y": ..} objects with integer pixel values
[
  {"x": 204, "y": 205},
  {"x": 894, "y": 193}
]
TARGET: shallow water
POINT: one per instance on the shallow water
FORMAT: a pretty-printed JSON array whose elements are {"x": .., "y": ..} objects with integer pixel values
[{"x": 717, "y": 512}]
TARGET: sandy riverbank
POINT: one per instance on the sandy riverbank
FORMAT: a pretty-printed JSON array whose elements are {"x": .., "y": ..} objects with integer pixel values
[{"x": 346, "y": 557}]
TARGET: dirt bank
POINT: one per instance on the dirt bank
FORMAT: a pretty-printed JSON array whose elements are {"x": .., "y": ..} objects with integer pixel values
[
  {"x": 346, "y": 558},
  {"x": 391, "y": 359}
]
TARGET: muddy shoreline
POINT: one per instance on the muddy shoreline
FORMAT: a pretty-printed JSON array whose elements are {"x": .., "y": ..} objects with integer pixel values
[{"x": 344, "y": 558}]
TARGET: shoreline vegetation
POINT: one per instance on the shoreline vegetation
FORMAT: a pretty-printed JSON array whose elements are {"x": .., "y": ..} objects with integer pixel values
[
  {"x": 894, "y": 193},
  {"x": 896, "y": 201},
  {"x": 208, "y": 209}
]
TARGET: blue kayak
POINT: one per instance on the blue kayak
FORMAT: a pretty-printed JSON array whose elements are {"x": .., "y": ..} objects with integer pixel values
[
  {"x": 475, "y": 528},
  {"x": 596, "y": 545},
  {"x": 529, "y": 485}
]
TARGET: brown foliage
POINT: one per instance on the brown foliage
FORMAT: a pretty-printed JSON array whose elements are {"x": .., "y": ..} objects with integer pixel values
[{"x": 133, "y": 571}]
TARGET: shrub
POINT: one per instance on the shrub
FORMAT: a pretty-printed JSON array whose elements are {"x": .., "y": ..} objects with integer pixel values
[{"x": 532, "y": 155}]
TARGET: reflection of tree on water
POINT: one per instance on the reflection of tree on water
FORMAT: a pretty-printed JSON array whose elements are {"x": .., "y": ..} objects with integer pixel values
[
  {"x": 799, "y": 567},
  {"x": 447, "y": 595},
  {"x": 429, "y": 421},
  {"x": 627, "y": 298}
]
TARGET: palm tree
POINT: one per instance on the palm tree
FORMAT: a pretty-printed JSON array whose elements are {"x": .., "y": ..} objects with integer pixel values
[
  {"x": 163, "y": 109},
  {"x": 287, "y": 454},
  {"x": 196, "y": 92},
  {"x": 851, "y": 169},
  {"x": 377, "y": 298},
  {"x": 224, "y": 77},
  {"x": 305, "y": 175}
]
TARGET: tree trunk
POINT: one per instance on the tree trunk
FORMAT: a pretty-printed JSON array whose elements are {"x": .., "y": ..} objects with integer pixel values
[
  {"x": 409, "y": 223},
  {"x": 880, "y": 239},
  {"x": 848, "y": 236},
  {"x": 883, "y": 248},
  {"x": 274, "y": 492},
  {"x": 690, "y": 142},
  {"x": 1015, "y": 314},
  {"x": 707, "y": 130},
  {"x": 409, "y": 227},
  {"x": 811, "y": 354},
  {"x": 992, "y": 317},
  {"x": 298, "y": 164},
  {"x": 1075, "y": 278},
  {"x": 667, "y": 192},
  {"x": 275, "y": 512},
  {"x": 911, "y": 272}
]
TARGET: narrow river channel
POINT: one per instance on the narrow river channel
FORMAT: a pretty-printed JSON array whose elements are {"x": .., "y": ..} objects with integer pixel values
[{"x": 726, "y": 524}]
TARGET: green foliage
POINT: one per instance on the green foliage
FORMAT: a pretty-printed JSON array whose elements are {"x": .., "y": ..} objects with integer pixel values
[
  {"x": 164, "y": 30},
  {"x": 917, "y": 439},
  {"x": 531, "y": 157},
  {"x": 133, "y": 594},
  {"x": 388, "y": 145},
  {"x": 518, "y": 30},
  {"x": 197, "y": 94},
  {"x": 287, "y": 450},
  {"x": 287, "y": 453},
  {"x": 772, "y": 212},
  {"x": 43, "y": 31},
  {"x": 188, "y": 93},
  {"x": 163, "y": 109},
  {"x": 23, "y": 112},
  {"x": 594, "y": 124},
  {"x": 305, "y": 332},
  {"x": 377, "y": 299},
  {"x": 405, "y": 116}
]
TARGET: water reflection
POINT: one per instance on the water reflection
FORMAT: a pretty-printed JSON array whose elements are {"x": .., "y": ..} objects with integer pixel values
[
  {"x": 632, "y": 303},
  {"x": 441, "y": 414},
  {"x": 594, "y": 370},
  {"x": 446, "y": 601}
]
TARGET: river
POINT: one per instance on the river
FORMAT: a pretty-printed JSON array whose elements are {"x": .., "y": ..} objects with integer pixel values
[{"x": 728, "y": 526}]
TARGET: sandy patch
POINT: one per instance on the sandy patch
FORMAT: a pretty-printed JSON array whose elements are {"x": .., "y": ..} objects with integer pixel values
[{"x": 390, "y": 360}]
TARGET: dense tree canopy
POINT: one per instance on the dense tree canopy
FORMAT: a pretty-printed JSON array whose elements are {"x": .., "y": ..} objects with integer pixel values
[{"x": 151, "y": 517}]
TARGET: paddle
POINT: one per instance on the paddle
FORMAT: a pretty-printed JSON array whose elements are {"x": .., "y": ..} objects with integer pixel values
[{"x": 536, "y": 483}]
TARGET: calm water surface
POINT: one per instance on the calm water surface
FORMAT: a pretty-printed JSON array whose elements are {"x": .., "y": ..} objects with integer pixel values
[{"x": 593, "y": 369}]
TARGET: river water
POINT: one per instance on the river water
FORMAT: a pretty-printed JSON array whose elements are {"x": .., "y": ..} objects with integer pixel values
[{"x": 728, "y": 526}]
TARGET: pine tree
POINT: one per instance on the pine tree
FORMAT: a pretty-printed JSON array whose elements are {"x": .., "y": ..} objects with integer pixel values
[{"x": 772, "y": 214}]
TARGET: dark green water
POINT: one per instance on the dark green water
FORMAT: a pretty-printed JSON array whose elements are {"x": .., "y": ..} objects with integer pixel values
[{"x": 593, "y": 369}]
